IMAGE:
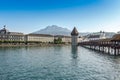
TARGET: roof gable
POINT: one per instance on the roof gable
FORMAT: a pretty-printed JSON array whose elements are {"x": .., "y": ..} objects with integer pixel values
[{"x": 74, "y": 31}]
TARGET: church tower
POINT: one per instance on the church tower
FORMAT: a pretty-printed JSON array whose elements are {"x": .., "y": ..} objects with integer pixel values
[{"x": 74, "y": 35}]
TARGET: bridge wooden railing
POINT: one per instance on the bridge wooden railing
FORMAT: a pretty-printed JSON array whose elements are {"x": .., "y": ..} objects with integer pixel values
[{"x": 110, "y": 46}]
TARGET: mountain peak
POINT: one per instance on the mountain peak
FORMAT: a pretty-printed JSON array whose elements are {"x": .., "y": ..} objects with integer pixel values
[
  {"x": 52, "y": 27},
  {"x": 54, "y": 30}
]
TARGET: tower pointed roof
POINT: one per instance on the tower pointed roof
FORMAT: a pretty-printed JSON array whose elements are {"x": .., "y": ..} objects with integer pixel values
[{"x": 74, "y": 31}]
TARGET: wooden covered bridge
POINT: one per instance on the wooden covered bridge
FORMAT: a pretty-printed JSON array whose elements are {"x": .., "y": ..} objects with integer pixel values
[{"x": 110, "y": 46}]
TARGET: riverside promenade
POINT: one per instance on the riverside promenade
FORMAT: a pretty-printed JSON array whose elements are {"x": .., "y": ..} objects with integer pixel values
[{"x": 110, "y": 45}]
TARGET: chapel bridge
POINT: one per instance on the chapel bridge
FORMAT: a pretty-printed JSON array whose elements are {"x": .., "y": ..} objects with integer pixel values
[{"x": 110, "y": 46}]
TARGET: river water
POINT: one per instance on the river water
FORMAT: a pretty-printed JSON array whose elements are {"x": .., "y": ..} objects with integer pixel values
[{"x": 57, "y": 63}]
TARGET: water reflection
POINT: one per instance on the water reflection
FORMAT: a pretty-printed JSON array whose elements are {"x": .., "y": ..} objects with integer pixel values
[
  {"x": 74, "y": 51},
  {"x": 57, "y": 48},
  {"x": 57, "y": 63}
]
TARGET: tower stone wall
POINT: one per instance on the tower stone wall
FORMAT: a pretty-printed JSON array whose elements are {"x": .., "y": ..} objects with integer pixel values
[{"x": 74, "y": 38}]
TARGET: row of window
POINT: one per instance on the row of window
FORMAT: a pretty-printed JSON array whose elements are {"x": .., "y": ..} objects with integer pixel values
[{"x": 5, "y": 36}]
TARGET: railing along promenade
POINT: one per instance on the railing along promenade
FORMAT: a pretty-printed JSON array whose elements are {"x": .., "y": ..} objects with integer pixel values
[{"x": 110, "y": 46}]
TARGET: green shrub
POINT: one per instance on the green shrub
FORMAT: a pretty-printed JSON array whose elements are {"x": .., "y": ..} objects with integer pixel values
[{"x": 58, "y": 41}]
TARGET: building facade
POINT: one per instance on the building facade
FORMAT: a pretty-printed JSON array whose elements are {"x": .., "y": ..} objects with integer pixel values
[
  {"x": 6, "y": 35},
  {"x": 95, "y": 36},
  {"x": 65, "y": 39},
  {"x": 39, "y": 38}
]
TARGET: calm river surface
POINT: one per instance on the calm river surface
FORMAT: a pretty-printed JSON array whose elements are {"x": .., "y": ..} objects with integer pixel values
[{"x": 57, "y": 63}]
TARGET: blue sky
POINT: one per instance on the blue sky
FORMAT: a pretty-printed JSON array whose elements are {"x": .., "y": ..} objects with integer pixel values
[{"x": 87, "y": 15}]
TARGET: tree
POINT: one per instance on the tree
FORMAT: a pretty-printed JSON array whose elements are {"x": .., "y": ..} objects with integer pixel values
[{"x": 58, "y": 41}]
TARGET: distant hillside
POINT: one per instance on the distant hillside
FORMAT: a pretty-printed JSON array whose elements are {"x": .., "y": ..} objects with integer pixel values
[{"x": 56, "y": 30}]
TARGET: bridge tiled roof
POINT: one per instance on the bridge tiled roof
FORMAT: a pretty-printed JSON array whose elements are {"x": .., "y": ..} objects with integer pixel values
[{"x": 116, "y": 37}]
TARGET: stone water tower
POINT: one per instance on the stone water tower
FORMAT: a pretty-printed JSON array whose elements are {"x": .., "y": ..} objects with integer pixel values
[{"x": 74, "y": 38}]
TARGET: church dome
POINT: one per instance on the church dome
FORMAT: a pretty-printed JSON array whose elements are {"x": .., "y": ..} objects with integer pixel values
[
  {"x": 4, "y": 30},
  {"x": 74, "y": 32}
]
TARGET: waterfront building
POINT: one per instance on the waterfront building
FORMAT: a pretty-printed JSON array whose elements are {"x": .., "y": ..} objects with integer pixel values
[
  {"x": 6, "y": 35},
  {"x": 39, "y": 37},
  {"x": 95, "y": 36},
  {"x": 65, "y": 39},
  {"x": 80, "y": 38},
  {"x": 74, "y": 35}
]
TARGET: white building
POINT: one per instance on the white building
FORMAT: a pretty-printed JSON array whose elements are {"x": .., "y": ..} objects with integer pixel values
[
  {"x": 95, "y": 36},
  {"x": 39, "y": 38},
  {"x": 6, "y": 35},
  {"x": 66, "y": 39}
]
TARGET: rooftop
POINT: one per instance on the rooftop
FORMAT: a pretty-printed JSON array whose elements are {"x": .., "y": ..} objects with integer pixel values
[
  {"x": 4, "y": 30},
  {"x": 47, "y": 35},
  {"x": 94, "y": 36},
  {"x": 116, "y": 37},
  {"x": 74, "y": 31}
]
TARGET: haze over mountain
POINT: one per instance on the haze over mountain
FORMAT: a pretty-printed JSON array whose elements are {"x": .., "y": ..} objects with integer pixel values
[{"x": 56, "y": 30}]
